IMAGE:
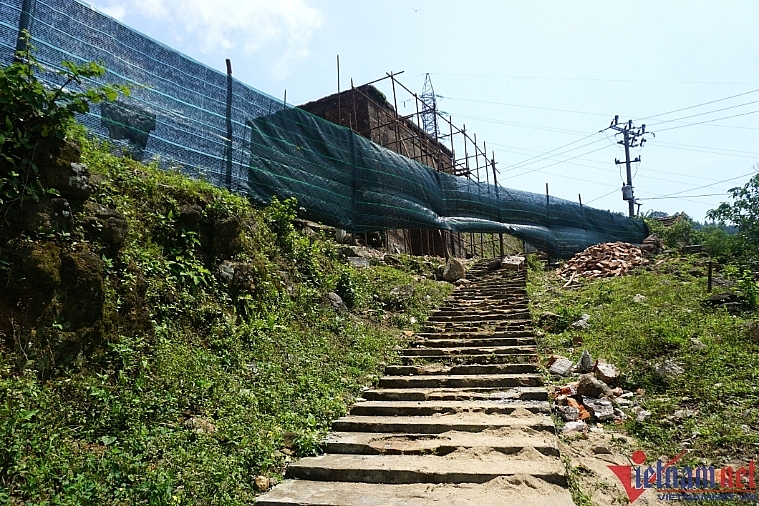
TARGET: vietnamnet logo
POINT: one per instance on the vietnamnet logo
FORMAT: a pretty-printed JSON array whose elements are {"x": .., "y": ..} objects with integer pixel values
[{"x": 701, "y": 483}]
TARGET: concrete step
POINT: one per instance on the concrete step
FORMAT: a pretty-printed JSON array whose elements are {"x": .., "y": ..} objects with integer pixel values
[
  {"x": 503, "y": 441},
  {"x": 453, "y": 394},
  {"x": 444, "y": 342},
  {"x": 467, "y": 335},
  {"x": 483, "y": 311},
  {"x": 429, "y": 408},
  {"x": 517, "y": 315},
  {"x": 507, "y": 490},
  {"x": 492, "y": 325},
  {"x": 453, "y": 468},
  {"x": 470, "y": 359},
  {"x": 464, "y": 422},
  {"x": 408, "y": 370},
  {"x": 461, "y": 381},
  {"x": 470, "y": 350}
]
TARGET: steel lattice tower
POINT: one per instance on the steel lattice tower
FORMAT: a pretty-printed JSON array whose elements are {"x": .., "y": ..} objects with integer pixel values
[{"x": 429, "y": 115}]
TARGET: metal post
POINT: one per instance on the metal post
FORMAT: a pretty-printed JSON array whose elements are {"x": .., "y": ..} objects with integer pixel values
[
  {"x": 25, "y": 23},
  {"x": 339, "y": 115},
  {"x": 353, "y": 100}
]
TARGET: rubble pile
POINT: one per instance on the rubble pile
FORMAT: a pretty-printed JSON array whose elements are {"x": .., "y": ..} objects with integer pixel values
[
  {"x": 604, "y": 260},
  {"x": 593, "y": 396}
]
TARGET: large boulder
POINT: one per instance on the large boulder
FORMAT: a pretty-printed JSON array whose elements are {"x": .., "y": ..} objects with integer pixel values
[
  {"x": 454, "y": 270},
  {"x": 47, "y": 216},
  {"x": 82, "y": 286},
  {"x": 190, "y": 216},
  {"x": 64, "y": 172},
  {"x": 105, "y": 223},
  {"x": 239, "y": 276},
  {"x": 226, "y": 236},
  {"x": 589, "y": 386}
]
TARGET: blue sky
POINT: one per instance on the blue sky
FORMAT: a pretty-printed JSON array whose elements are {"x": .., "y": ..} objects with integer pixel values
[{"x": 527, "y": 77}]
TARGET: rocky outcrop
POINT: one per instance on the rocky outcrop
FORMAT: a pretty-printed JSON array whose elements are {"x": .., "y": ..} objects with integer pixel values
[{"x": 105, "y": 223}]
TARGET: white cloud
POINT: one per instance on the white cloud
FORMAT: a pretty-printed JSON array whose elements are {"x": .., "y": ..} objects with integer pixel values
[
  {"x": 115, "y": 11},
  {"x": 281, "y": 26}
]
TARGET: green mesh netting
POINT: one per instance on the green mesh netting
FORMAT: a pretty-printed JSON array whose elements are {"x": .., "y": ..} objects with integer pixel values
[{"x": 345, "y": 180}]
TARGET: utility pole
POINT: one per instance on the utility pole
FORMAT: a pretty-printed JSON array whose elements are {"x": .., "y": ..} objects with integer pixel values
[{"x": 632, "y": 138}]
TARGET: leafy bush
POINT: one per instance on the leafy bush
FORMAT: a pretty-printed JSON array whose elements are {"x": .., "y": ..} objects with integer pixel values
[
  {"x": 37, "y": 118},
  {"x": 676, "y": 235},
  {"x": 744, "y": 213}
]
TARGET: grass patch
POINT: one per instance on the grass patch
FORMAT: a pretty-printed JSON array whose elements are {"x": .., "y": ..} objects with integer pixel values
[
  {"x": 713, "y": 408},
  {"x": 264, "y": 360}
]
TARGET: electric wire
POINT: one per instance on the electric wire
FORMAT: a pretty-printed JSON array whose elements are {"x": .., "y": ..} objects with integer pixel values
[
  {"x": 698, "y": 105},
  {"x": 682, "y": 196},
  {"x": 704, "y": 113},
  {"x": 712, "y": 120},
  {"x": 710, "y": 185}
]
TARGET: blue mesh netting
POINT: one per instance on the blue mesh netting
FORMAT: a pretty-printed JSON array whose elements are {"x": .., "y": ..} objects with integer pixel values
[{"x": 177, "y": 113}]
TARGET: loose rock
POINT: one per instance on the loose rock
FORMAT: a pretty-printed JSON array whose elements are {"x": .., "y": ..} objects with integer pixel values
[
  {"x": 669, "y": 370},
  {"x": 454, "y": 270},
  {"x": 561, "y": 366},
  {"x": 696, "y": 345},
  {"x": 604, "y": 260},
  {"x": 568, "y": 413},
  {"x": 358, "y": 262},
  {"x": 48, "y": 215},
  {"x": 575, "y": 426},
  {"x": 582, "y": 323},
  {"x": 199, "y": 425},
  {"x": 601, "y": 409},
  {"x": 586, "y": 362},
  {"x": 337, "y": 302},
  {"x": 513, "y": 263},
  {"x": 641, "y": 415},
  {"x": 262, "y": 483},
  {"x": 608, "y": 373},
  {"x": 591, "y": 387},
  {"x": 639, "y": 298},
  {"x": 601, "y": 450}
]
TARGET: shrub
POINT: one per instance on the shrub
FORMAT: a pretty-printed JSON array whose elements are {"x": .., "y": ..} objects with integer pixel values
[{"x": 37, "y": 118}]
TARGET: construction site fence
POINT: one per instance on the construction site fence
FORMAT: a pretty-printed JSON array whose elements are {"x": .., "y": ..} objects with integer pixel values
[{"x": 187, "y": 115}]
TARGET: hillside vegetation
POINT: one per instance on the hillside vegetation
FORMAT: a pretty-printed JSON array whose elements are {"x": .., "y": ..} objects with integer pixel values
[
  {"x": 712, "y": 408},
  {"x": 166, "y": 342}
]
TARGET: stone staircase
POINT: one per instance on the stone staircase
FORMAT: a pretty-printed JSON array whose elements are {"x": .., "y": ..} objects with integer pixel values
[{"x": 464, "y": 420}]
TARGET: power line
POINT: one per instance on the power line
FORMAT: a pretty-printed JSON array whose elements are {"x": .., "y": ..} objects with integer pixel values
[
  {"x": 557, "y": 163},
  {"x": 664, "y": 145},
  {"x": 523, "y": 125},
  {"x": 541, "y": 157},
  {"x": 705, "y": 113},
  {"x": 698, "y": 105},
  {"x": 605, "y": 168},
  {"x": 615, "y": 190},
  {"x": 542, "y": 78},
  {"x": 708, "y": 147},
  {"x": 522, "y": 106},
  {"x": 604, "y": 165},
  {"x": 711, "y": 120},
  {"x": 684, "y": 196},
  {"x": 710, "y": 185}
]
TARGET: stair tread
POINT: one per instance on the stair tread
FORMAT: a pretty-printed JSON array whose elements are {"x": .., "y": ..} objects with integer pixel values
[{"x": 506, "y": 490}]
